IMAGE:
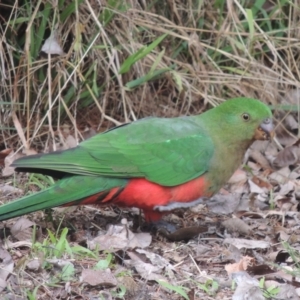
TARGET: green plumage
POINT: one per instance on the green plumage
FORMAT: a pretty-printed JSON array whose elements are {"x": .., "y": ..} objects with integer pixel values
[
  {"x": 66, "y": 190},
  {"x": 167, "y": 152}
]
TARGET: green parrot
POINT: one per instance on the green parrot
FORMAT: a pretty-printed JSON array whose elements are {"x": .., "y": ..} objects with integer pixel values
[{"x": 155, "y": 164}]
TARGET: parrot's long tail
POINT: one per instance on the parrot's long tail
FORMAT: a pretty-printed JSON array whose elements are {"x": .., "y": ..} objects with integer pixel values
[{"x": 73, "y": 190}]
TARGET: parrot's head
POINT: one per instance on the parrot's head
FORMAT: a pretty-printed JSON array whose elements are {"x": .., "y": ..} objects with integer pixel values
[{"x": 247, "y": 119}]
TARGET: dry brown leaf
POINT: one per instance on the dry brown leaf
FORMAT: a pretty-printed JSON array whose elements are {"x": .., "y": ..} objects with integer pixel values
[
  {"x": 223, "y": 204},
  {"x": 22, "y": 229},
  {"x": 120, "y": 237},
  {"x": 281, "y": 214},
  {"x": 145, "y": 270},
  {"x": 248, "y": 244},
  {"x": 249, "y": 214},
  {"x": 3, "y": 154},
  {"x": 237, "y": 183},
  {"x": 242, "y": 265},
  {"x": 247, "y": 287},
  {"x": 6, "y": 189},
  {"x": 6, "y": 267},
  {"x": 237, "y": 225},
  {"x": 262, "y": 183},
  {"x": 254, "y": 188},
  {"x": 34, "y": 264},
  {"x": 286, "y": 291},
  {"x": 99, "y": 277},
  {"x": 281, "y": 176},
  {"x": 129, "y": 283},
  {"x": 9, "y": 159},
  {"x": 239, "y": 176},
  {"x": 260, "y": 159},
  {"x": 11, "y": 245},
  {"x": 157, "y": 260},
  {"x": 288, "y": 156}
]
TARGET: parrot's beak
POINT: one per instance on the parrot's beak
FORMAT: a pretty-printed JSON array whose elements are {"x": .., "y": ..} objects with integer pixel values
[{"x": 265, "y": 131}]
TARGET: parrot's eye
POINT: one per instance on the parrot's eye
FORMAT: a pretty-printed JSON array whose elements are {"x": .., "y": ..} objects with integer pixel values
[{"x": 246, "y": 117}]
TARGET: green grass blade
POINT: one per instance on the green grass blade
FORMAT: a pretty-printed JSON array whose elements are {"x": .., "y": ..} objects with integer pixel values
[{"x": 141, "y": 53}]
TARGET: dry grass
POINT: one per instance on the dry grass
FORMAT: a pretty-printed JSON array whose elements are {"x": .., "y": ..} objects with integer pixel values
[{"x": 215, "y": 50}]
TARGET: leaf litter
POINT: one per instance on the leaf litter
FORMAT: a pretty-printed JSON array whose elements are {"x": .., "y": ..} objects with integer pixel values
[{"x": 249, "y": 231}]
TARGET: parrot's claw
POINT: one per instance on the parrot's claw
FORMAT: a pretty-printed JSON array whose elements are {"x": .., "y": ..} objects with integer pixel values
[{"x": 162, "y": 225}]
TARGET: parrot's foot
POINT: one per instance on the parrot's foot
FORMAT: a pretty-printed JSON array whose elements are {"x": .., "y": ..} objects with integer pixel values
[
  {"x": 161, "y": 225},
  {"x": 175, "y": 205}
]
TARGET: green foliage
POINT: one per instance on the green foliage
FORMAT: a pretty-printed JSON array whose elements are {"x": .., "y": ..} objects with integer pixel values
[
  {"x": 39, "y": 180},
  {"x": 210, "y": 287},
  {"x": 33, "y": 295},
  {"x": 141, "y": 53},
  {"x": 104, "y": 263},
  {"x": 68, "y": 272},
  {"x": 120, "y": 292},
  {"x": 269, "y": 293},
  {"x": 295, "y": 256},
  {"x": 56, "y": 245},
  {"x": 177, "y": 289}
]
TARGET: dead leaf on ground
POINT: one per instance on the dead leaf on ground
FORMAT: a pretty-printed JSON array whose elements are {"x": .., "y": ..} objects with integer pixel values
[
  {"x": 249, "y": 214},
  {"x": 99, "y": 277},
  {"x": 34, "y": 264},
  {"x": 260, "y": 159},
  {"x": 223, "y": 204},
  {"x": 22, "y": 229},
  {"x": 145, "y": 270},
  {"x": 281, "y": 176},
  {"x": 242, "y": 265},
  {"x": 120, "y": 237},
  {"x": 262, "y": 183},
  {"x": 286, "y": 291},
  {"x": 248, "y": 244},
  {"x": 3, "y": 154},
  {"x": 9, "y": 159},
  {"x": 237, "y": 225},
  {"x": 247, "y": 287},
  {"x": 129, "y": 283},
  {"x": 11, "y": 245},
  {"x": 158, "y": 260},
  {"x": 239, "y": 176},
  {"x": 254, "y": 188},
  {"x": 6, "y": 267},
  {"x": 7, "y": 189},
  {"x": 288, "y": 156}
]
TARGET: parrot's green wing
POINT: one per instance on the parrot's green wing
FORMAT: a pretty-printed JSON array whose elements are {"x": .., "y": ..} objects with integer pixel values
[{"x": 165, "y": 151}]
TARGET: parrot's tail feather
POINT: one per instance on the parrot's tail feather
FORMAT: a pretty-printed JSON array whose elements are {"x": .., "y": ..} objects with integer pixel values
[{"x": 68, "y": 191}]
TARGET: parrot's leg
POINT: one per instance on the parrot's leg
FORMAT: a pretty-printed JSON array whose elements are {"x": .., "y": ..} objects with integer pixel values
[
  {"x": 175, "y": 205},
  {"x": 160, "y": 225},
  {"x": 164, "y": 225}
]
